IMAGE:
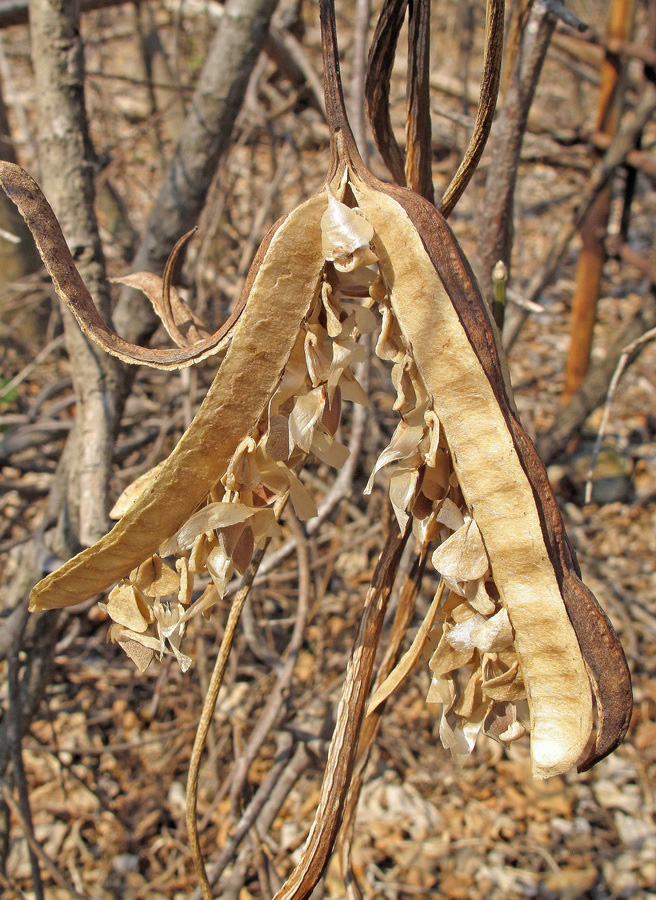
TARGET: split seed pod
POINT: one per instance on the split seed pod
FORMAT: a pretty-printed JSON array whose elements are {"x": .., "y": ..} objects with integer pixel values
[
  {"x": 564, "y": 641},
  {"x": 453, "y": 387}
]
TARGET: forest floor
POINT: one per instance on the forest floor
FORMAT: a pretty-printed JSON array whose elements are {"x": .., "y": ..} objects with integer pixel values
[{"x": 107, "y": 756}]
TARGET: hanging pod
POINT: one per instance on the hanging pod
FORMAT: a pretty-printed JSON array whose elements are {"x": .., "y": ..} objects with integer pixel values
[{"x": 285, "y": 372}]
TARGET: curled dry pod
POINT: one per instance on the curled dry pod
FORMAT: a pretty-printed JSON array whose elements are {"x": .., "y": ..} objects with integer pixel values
[
  {"x": 283, "y": 282},
  {"x": 564, "y": 641}
]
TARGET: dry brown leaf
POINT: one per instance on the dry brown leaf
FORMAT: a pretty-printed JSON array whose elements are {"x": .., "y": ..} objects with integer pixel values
[
  {"x": 126, "y": 608},
  {"x": 405, "y": 665},
  {"x": 462, "y": 556}
]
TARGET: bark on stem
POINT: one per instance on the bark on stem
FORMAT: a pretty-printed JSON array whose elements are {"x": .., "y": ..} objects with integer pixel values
[{"x": 66, "y": 159}]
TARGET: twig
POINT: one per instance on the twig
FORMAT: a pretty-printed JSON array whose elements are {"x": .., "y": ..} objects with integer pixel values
[
  {"x": 638, "y": 159},
  {"x": 40, "y": 638},
  {"x": 280, "y": 792},
  {"x": 642, "y": 52},
  {"x": 285, "y": 56},
  {"x": 343, "y": 746},
  {"x": 280, "y": 689},
  {"x": 620, "y": 368},
  {"x": 281, "y": 759},
  {"x": 404, "y": 611},
  {"x": 643, "y": 264},
  {"x": 299, "y": 55},
  {"x": 207, "y": 715},
  {"x": 14, "y": 738},
  {"x": 27, "y": 370},
  {"x": 560, "y": 11}
]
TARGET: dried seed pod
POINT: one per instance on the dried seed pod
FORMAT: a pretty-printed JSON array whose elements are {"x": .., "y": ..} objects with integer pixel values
[
  {"x": 561, "y": 633},
  {"x": 564, "y": 640},
  {"x": 286, "y": 269}
]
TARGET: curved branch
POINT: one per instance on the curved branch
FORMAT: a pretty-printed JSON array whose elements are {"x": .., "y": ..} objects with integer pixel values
[
  {"x": 377, "y": 86},
  {"x": 419, "y": 146},
  {"x": 486, "y": 107},
  {"x": 58, "y": 260}
]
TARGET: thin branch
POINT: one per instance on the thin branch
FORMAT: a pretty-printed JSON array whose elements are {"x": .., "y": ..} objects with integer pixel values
[
  {"x": 343, "y": 746},
  {"x": 620, "y": 368},
  {"x": 281, "y": 759},
  {"x": 272, "y": 805},
  {"x": 419, "y": 146},
  {"x": 207, "y": 714},
  {"x": 487, "y": 103},
  {"x": 643, "y": 52},
  {"x": 14, "y": 738},
  {"x": 560, "y": 11}
]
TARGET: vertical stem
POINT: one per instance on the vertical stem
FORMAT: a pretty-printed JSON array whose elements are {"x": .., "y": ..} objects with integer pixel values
[
  {"x": 67, "y": 169},
  {"x": 342, "y": 142},
  {"x": 419, "y": 148},
  {"x": 361, "y": 18},
  {"x": 593, "y": 231},
  {"x": 15, "y": 741},
  {"x": 496, "y": 220}
]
